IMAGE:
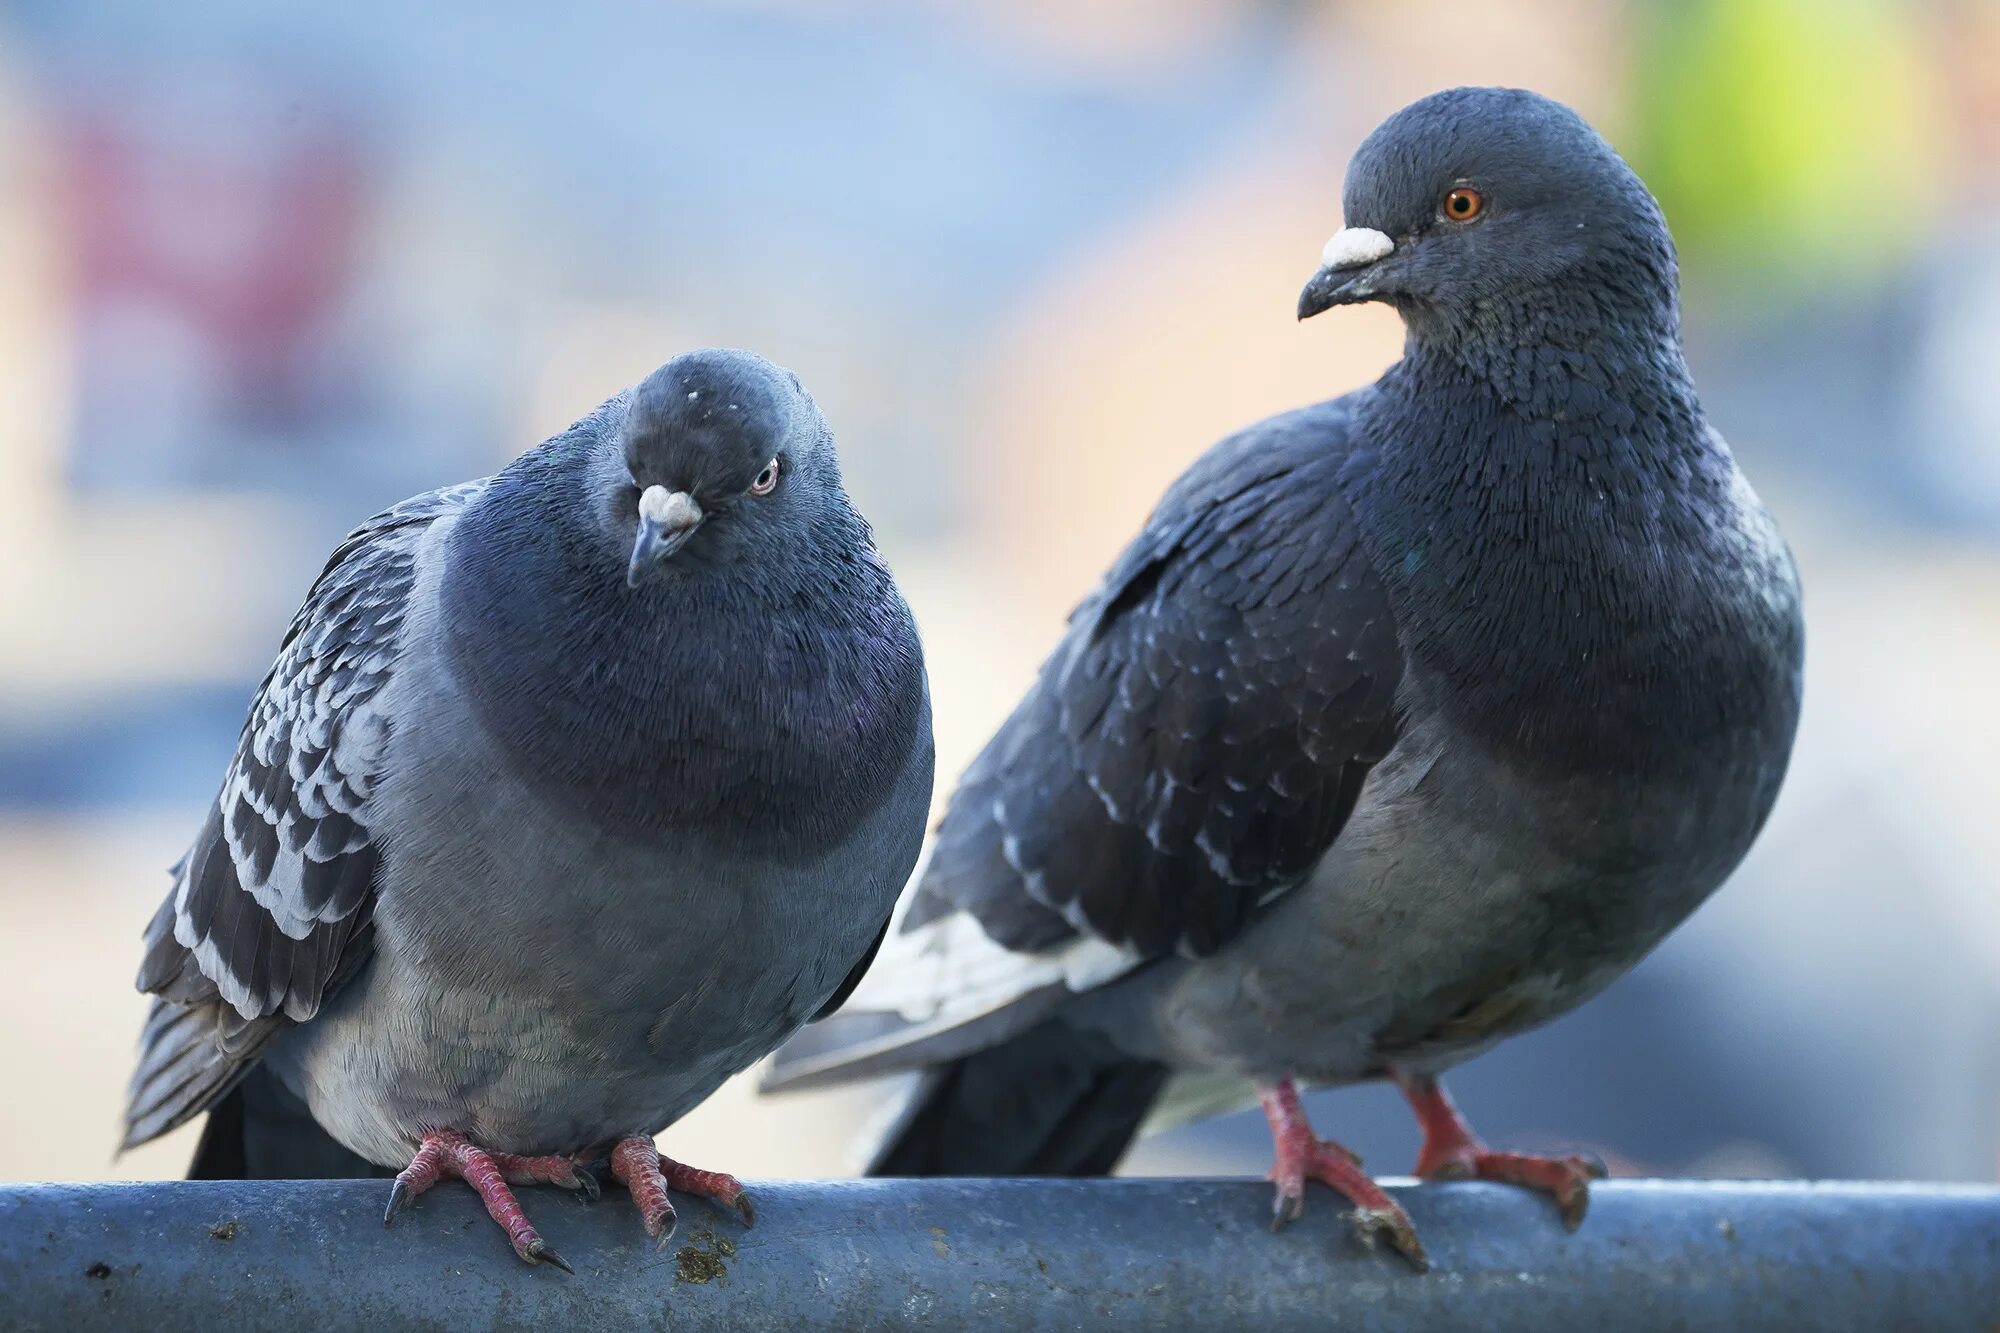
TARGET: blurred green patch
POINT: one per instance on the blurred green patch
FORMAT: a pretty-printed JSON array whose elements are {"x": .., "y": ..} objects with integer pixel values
[{"x": 1791, "y": 142}]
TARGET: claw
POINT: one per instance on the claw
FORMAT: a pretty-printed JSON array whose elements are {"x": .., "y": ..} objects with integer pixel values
[
  {"x": 537, "y": 1251},
  {"x": 399, "y": 1194},
  {"x": 588, "y": 1187},
  {"x": 1287, "y": 1206},
  {"x": 746, "y": 1209},
  {"x": 663, "y": 1222},
  {"x": 1573, "y": 1196},
  {"x": 1393, "y": 1224},
  {"x": 1573, "y": 1199}
]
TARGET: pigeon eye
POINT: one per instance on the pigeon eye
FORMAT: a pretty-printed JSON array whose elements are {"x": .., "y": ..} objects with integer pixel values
[
  {"x": 767, "y": 480},
  {"x": 1463, "y": 204}
]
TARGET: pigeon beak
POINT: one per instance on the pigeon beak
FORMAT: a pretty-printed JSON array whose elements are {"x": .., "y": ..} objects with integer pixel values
[
  {"x": 1346, "y": 268},
  {"x": 666, "y": 520}
]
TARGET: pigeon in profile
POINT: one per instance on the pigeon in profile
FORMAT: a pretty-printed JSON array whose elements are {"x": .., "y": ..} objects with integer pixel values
[
  {"x": 1408, "y": 722},
  {"x": 573, "y": 792}
]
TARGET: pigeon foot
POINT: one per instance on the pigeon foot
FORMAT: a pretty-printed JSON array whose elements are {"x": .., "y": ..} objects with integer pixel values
[
  {"x": 1452, "y": 1151},
  {"x": 564, "y": 1172},
  {"x": 637, "y": 1164},
  {"x": 1302, "y": 1156},
  {"x": 447, "y": 1152}
]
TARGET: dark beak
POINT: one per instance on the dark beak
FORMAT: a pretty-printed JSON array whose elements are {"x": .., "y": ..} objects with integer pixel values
[
  {"x": 1348, "y": 274},
  {"x": 1331, "y": 287},
  {"x": 666, "y": 520}
]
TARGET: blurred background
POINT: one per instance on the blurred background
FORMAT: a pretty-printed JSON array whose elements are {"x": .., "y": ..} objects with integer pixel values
[{"x": 265, "y": 269}]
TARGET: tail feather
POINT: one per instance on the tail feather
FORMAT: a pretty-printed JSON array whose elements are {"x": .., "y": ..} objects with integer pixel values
[
  {"x": 256, "y": 1129},
  {"x": 182, "y": 1070},
  {"x": 1053, "y": 1101},
  {"x": 260, "y": 1131},
  {"x": 854, "y": 1045},
  {"x": 220, "y": 1154}
]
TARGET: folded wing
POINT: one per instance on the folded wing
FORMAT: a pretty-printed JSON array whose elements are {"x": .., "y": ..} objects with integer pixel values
[
  {"x": 1191, "y": 749},
  {"x": 271, "y": 908}
]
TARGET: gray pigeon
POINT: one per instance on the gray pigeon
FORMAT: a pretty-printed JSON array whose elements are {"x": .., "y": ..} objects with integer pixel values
[
  {"x": 573, "y": 792},
  {"x": 1409, "y": 721}
]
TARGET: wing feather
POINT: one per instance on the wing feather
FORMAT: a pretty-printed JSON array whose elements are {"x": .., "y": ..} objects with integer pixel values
[
  {"x": 272, "y": 907},
  {"x": 1201, "y": 734},
  {"x": 1190, "y": 750}
]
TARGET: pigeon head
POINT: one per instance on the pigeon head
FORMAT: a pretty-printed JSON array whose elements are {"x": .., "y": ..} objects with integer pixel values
[
  {"x": 720, "y": 449},
  {"x": 1473, "y": 205}
]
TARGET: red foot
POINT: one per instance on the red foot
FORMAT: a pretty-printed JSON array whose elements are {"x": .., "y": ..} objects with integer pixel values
[
  {"x": 1301, "y": 1156},
  {"x": 637, "y": 1163},
  {"x": 570, "y": 1173},
  {"x": 1452, "y": 1151},
  {"x": 449, "y": 1153}
]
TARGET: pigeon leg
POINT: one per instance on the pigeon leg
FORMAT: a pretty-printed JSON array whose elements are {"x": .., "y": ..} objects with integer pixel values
[
  {"x": 1452, "y": 1151},
  {"x": 637, "y": 1164},
  {"x": 1302, "y": 1156},
  {"x": 447, "y": 1152}
]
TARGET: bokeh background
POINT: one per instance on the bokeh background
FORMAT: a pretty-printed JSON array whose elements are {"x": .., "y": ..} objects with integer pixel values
[{"x": 265, "y": 269}]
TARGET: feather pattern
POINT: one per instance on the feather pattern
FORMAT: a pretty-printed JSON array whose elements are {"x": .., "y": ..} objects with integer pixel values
[
  {"x": 1191, "y": 749},
  {"x": 1200, "y": 735},
  {"x": 272, "y": 907}
]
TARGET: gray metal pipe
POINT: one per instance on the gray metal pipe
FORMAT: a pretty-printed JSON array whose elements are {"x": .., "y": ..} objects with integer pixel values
[{"x": 1000, "y": 1255}]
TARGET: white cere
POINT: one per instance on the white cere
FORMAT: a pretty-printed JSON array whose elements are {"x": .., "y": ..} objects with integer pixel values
[
  {"x": 667, "y": 508},
  {"x": 1355, "y": 245}
]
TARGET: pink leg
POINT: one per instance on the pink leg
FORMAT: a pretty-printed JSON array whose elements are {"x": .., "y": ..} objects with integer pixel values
[
  {"x": 1302, "y": 1156},
  {"x": 1452, "y": 1151},
  {"x": 449, "y": 1153},
  {"x": 637, "y": 1164}
]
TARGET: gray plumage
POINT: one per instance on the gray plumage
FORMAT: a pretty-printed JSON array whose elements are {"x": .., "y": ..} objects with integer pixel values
[
  {"x": 1408, "y": 722},
  {"x": 559, "y": 807}
]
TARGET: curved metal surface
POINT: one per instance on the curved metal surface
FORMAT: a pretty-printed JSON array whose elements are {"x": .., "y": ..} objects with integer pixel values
[{"x": 1001, "y": 1255}]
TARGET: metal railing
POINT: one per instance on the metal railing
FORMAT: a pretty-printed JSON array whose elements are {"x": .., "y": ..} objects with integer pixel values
[{"x": 1004, "y": 1254}]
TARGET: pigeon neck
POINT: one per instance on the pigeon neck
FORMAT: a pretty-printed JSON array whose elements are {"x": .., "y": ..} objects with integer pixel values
[
  {"x": 780, "y": 694},
  {"x": 1591, "y": 345},
  {"x": 1565, "y": 549}
]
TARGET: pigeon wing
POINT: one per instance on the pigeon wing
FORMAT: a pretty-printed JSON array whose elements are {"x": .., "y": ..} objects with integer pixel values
[
  {"x": 272, "y": 906},
  {"x": 1202, "y": 732}
]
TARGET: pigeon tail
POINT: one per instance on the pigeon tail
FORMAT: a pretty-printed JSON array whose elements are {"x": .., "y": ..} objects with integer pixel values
[
  {"x": 260, "y": 1131},
  {"x": 1053, "y": 1101}
]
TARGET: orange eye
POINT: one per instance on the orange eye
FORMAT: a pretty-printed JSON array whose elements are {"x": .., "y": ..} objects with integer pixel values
[
  {"x": 1463, "y": 204},
  {"x": 767, "y": 480}
]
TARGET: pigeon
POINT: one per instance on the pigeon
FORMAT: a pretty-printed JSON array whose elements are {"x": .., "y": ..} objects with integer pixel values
[
  {"x": 573, "y": 792},
  {"x": 1408, "y": 722}
]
